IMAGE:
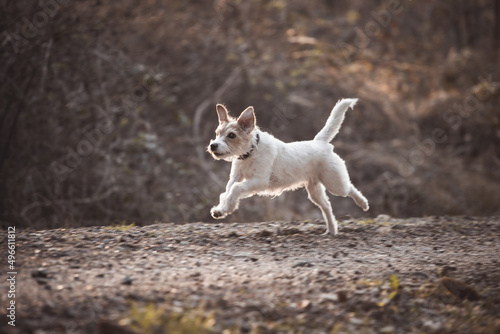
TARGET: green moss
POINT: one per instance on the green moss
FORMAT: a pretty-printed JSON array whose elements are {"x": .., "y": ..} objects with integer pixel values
[
  {"x": 152, "y": 320},
  {"x": 122, "y": 227}
]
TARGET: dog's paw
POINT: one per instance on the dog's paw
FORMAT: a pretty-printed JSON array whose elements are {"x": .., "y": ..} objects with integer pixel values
[
  {"x": 217, "y": 213},
  {"x": 329, "y": 233}
]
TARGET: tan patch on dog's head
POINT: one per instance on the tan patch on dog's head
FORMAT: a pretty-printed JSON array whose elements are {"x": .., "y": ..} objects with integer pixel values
[{"x": 233, "y": 136}]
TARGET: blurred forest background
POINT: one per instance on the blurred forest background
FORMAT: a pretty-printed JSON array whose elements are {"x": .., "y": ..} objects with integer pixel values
[{"x": 106, "y": 107}]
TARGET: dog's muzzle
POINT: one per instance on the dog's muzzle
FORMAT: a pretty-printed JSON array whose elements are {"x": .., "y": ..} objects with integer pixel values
[{"x": 213, "y": 149}]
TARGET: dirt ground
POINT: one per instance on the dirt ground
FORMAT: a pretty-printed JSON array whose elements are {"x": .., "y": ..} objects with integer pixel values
[{"x": 377, "y": 276}]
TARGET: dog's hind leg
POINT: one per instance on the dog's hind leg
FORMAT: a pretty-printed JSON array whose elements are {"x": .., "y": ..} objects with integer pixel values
[
  {"x": 358, "y": 197},
  {"x": 344, "y": 188},
  {"x": 318, "y": 196},
  {"x": 336, "y": 180}
]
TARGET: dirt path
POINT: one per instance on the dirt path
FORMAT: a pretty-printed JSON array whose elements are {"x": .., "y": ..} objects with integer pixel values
[{"x": 376, "y": 276}]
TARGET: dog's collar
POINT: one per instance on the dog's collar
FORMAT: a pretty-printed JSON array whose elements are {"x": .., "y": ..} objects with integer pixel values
[{"x": 249, "y": 153}]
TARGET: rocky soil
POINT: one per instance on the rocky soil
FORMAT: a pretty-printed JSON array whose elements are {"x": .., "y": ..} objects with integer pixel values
[{"x": 432, "y": 275}]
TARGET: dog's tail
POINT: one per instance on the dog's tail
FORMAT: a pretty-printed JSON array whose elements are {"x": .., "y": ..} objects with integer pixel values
[{"x": 335, "y": 120}]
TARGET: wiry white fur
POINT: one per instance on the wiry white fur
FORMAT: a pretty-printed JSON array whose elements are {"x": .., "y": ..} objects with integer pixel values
[
  {"x": 274, "y": 166},
  {"x": 335, "y": 120}
]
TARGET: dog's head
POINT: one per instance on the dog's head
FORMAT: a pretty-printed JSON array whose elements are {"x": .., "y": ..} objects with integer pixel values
[{"x": 233, "y": 136}]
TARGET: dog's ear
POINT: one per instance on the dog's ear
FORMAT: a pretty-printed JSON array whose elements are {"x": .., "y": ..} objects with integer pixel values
[
  {"x": 222, "y": 112},
  {"x": 247, "y": 119}
]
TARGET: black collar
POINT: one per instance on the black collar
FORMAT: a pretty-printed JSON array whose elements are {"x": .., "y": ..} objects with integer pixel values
[{"x": 249, "y": 153}]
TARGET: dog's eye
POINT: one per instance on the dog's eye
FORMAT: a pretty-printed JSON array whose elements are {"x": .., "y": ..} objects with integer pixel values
[{"x": 231, "y": 135}]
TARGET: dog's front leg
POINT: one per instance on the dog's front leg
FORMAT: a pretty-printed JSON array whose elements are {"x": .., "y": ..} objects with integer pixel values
[
  {"x": 217, "y": 211},
  {"x": 237, "y": 191},
  {"x": 222, "y": 197},
  {"x": 234, "y": 177}
]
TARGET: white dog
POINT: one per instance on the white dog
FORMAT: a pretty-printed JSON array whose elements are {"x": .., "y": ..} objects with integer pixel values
[{"x": 264, "y": 165}]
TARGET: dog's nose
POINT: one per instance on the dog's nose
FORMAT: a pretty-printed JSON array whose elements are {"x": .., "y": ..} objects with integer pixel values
[{"x": 213, "y": 146}]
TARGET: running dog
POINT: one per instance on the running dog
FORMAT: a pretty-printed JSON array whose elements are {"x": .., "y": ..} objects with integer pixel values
[{"x": 264, "y": 165}]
